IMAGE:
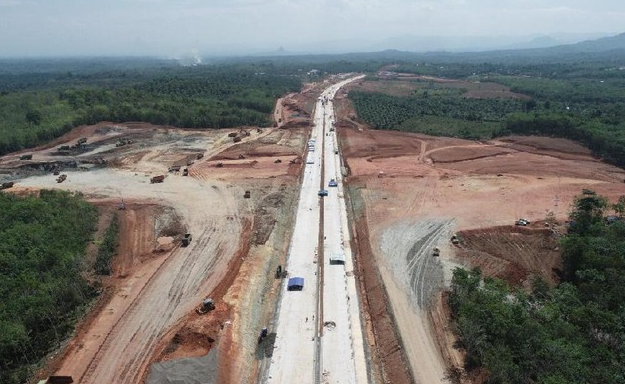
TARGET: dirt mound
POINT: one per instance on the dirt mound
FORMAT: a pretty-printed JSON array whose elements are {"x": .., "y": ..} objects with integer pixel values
[
  {"x": 512, "y": 253},
  {"x": 458, "y": 153}
]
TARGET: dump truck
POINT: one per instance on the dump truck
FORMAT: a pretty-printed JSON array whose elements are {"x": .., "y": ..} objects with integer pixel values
[
  {"x": 27, "y": 157},
  {"x": 455, "y": 239},
  {"x": 157, "y": 179},
  {"x": 206, "y": 306},
  {"x": 199, "y": 156},
  {"x": 174, "y": 168},
  {"x": 436, "y": 252},
  {"x": 246, "y": 195},
  {"x": 236, "y": 139},
  {"x": 185, "y": 172},
  {"x": 186, "y": 239},
  {"x": 61, "y": 178},
  {"x": 232, "y": 134},
  {"x": 81, "y": 141},
  {"x": 7, "y": 185}
]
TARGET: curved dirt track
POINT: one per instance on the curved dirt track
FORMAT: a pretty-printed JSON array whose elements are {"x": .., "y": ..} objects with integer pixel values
[
  {"x": 166, "y": 287},
  {"x": 410, "y": 192},
  {"x": 156, "y": 283}
]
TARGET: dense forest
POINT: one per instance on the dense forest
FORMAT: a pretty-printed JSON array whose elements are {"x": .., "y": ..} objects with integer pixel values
[
  {"x": 572, "y": 333},
  {"x": 42, "y": 282},
  {"x": 36, "y": 107}
]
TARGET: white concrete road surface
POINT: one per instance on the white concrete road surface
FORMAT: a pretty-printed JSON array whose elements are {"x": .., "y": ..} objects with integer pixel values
[{"x": 319, "y": 334}]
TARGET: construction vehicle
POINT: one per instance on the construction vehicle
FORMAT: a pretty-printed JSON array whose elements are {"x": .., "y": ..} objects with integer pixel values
[
  {"x": 157, "y": 179},
  {"x": 436, "y": 252},
  {"x": 26, "y": 157},
  {"x": 281, "y": 273},
  {"x": 455, "y": 239},
  {"x": 174, "y": 168},
  {"x": 206, "y": 306},
  {"x": 63, "y": 148},
  {"x": 123, "y": 142},
  {"x": 7, "y": 185},
  {"x": 185, "y": 172},
  {"x": 246, "y": 195},
  {"x": 82, "y": 141},
  {"x": 522, "y": 222},
  {"x": 61, "y": 178},
  {"x": 232, "y": 134},
  {"x": 263, "y": 334},
  {"x": 236, "y": 139},
  {"x": 186, "y": 239}
]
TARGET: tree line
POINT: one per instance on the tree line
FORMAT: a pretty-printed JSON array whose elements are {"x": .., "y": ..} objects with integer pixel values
[
  {"x": 42, "y": 269},
  {"x": 35, "y": 109},
  {"x": 580, "y": 101},
  {"x": 571, "y": 333}
]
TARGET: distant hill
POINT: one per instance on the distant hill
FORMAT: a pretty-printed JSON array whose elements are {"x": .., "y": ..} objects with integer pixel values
[{"x": 604, "y": 44}]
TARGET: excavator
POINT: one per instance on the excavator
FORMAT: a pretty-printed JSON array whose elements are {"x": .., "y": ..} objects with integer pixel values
[{"x": 206, "y": 306}]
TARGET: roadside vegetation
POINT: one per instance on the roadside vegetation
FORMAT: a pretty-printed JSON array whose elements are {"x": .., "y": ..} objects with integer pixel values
[
  {"x": 107, "y": 248},
  {"x": 42, "y": 281},
  {"x": 571, "y": 333},
  {"x": 36, "y": 107}
]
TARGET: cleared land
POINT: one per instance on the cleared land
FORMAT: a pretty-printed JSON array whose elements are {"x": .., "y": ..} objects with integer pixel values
[
  {"x": 147, "y": 311},
  {"x": 410, "y": 192}
]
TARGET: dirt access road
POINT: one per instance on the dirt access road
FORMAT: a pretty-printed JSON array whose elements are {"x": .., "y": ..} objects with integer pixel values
[
  {"x": 410, "y": 192},
  {"x": 157, "y": 283}
]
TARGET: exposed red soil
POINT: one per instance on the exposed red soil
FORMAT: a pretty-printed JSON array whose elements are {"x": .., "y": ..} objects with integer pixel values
[
  {"x": 195, "y": 334},
  {"x": 389, "y": 363},
  {"x": 483, "y": 187},
  {"x": 512, "y": 253}
]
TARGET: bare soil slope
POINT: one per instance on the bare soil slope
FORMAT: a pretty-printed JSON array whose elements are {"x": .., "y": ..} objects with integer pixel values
[
  {"x": 148, "y": 311},
  {"x": 410, "y": 192}
]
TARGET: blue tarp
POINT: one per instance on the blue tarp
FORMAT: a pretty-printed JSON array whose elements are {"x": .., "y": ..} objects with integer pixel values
[{"x": 295, "y": 283}]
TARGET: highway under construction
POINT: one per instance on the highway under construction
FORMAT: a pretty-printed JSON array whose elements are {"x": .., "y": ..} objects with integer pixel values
[{"x": 319, "y": 332}]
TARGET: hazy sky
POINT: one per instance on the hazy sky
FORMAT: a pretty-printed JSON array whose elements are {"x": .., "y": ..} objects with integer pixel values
[{"x": 174, "y": 27}]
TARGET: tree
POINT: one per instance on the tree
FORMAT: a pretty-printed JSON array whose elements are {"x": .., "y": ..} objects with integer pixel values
[{"x": 33, "y": 117}]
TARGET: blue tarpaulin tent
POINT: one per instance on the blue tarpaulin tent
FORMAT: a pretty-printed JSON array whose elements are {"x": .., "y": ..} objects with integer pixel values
[{"x": 296, "y": 284}]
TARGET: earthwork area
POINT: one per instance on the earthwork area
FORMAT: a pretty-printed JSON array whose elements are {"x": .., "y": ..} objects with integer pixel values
[
  {"x": 147, "y": 310},
  {"x": 407, "y": 194}
]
